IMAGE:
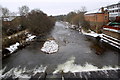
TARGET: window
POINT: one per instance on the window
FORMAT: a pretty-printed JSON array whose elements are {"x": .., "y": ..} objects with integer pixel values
[
  {"x": 118, "y": 5},
  {"x": 118, "y": 10},
  {"x": 106, "y": 18}
]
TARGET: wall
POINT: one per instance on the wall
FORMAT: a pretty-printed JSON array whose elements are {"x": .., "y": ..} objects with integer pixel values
[
  {"x": 112, "y": 34},
  {"x": 97, "y": 20}
]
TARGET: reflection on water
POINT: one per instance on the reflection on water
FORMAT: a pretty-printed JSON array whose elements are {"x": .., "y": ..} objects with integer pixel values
[{"x": 98, "y": 48}]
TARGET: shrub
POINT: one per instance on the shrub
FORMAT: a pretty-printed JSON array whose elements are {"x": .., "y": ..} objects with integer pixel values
[{"x": 38, "y": 22}]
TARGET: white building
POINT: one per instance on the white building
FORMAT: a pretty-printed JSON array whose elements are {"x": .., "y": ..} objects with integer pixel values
[{"x": 114, "y": 10}]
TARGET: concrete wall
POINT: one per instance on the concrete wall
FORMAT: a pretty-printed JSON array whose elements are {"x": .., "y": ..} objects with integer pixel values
[{"x": 112, "y": 34}]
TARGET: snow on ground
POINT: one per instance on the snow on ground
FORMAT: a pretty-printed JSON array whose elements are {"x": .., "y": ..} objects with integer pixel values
[
  {"x": 50, "y": 47},
  {"x": 70, "y": 66},
  {"x": 94, "y": 11},
  {"x": 93, "y": 34},
  {"x": 9, "y": 37},
  {"x": 30, "y": 37},
  {"x": 13, "y": 47}
]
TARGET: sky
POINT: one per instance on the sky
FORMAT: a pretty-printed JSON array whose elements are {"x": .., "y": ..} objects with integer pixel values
[{"x": 56, "y": 7}]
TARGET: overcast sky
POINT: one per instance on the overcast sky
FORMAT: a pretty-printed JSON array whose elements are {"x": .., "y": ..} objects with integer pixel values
[{"x": 56, "y": 7}]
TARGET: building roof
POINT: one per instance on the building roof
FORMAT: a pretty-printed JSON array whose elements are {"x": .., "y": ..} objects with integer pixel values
[
  {"x": 114, "y": 4},
  {"x": 97, "y": 11},
  {"x": 10, "y": 18},
  {"x": 94, "y": 11}
]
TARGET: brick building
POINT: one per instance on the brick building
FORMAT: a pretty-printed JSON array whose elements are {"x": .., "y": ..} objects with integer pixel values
[{"x": 97, "y": 18}]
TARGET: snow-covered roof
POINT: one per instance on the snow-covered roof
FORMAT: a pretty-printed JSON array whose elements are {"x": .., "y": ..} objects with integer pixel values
[
  {"x": 17, "y": 14},
  {"x": 94, "y": 11},
  {"x": 113, "y": 4},
  {"x": 9, "y": 18}
]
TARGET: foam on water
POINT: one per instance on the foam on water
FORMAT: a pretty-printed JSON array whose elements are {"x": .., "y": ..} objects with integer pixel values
[
  {"x": 19, "y": 72},
  {"x": 69, "y": 66}
]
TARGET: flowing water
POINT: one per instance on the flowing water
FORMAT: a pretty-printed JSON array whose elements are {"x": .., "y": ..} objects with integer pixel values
[{"x": 76, "y": 52}]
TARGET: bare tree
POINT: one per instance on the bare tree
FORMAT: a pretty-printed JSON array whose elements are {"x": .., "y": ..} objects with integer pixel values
[
  {"x": 23, "y": 10},
  {"x": 83, "y": 9},
  {"x": 78, "y": 19},
  {"x": 12, "y": 14},
  {"x": 5, "y": 12}
]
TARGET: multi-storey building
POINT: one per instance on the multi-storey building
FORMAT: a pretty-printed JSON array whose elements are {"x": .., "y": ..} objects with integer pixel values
[
  {"x": 111, "y": 31},
  {"x": 114, "y": 12}
]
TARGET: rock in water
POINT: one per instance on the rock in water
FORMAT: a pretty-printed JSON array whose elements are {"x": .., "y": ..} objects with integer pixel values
[{"x": 50, "y": 47}]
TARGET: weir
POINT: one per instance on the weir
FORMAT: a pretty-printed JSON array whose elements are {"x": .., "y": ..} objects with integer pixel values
[{"x": 100, "y": 74}]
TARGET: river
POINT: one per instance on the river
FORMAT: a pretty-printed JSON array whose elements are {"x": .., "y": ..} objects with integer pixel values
[{"x": 73, "y": 46}]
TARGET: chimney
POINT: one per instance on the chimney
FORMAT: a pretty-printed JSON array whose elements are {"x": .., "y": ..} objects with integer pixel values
[{"x": 102, "y": 10}]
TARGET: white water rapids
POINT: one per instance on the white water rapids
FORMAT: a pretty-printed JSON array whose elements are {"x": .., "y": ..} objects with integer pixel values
[{"x": 68, "y": 66}]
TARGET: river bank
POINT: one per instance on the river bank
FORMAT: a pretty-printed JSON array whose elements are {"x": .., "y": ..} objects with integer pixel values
[
  {"x": 20, "y": 40},
  {"x": 15, "y": 42},
  {"x": 99, "y": 36}
]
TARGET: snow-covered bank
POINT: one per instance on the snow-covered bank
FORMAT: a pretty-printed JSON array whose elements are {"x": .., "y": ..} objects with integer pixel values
[
  {"x": 50, "y": 47},
  {"x": 15, "y": 46},
  {"x": 30, "y": 37},
  {"x": 91, "y": 33},
  {"x": 108, "y": 39},
  {"x": 19, "y": 72},
  {"x": 69, "y": 66}
]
